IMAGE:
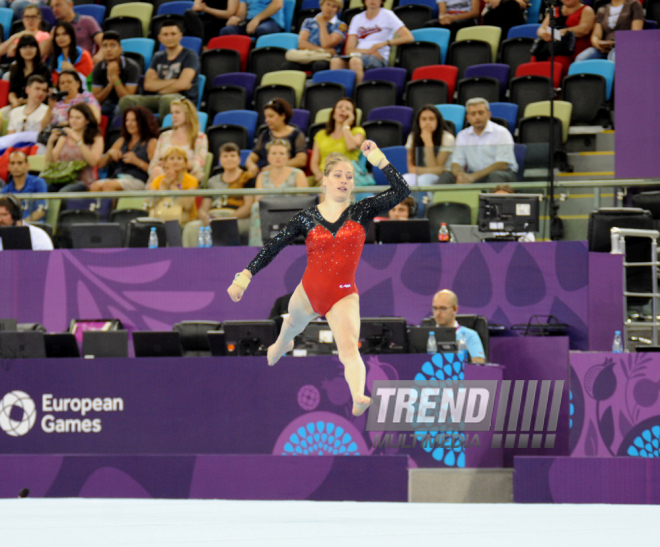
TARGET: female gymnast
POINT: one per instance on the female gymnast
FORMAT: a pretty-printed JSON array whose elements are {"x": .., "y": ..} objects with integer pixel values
[{"x": 334, "y": 234}]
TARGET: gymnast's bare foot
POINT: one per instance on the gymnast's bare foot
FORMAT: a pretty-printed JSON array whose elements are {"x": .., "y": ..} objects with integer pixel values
[
  {"x": 360, "y": 405},
  {"x": 274, "y": 356}
]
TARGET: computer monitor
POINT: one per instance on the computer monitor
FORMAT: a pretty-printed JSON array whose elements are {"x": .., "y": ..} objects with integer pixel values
[
  {"x": 78, "y": 326},
  {"x": 383, "y": 334},
  {"x": 418, "y": 337},
  {"x": 96, "y": 236},
  {"x": 61, "y": 345},
  {"x": 509, "y": 213},
  {"x": 276, "y": 212},
  {"x": 157, "y": 343},
  {"x": 8, "y": 324},
  {"x": 15, "y": 238},
  {"x": 249, "y": 337},
  {"x": 403, "y": 231},
  {"x": 317, "y": 339},
  {"x": 22, "y": 345},
  {"x": 224, "y": 232},
  {"x": 105, "y": 343}
]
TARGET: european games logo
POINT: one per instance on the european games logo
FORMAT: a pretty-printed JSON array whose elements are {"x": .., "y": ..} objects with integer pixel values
[{"x": 25, "y": 406}]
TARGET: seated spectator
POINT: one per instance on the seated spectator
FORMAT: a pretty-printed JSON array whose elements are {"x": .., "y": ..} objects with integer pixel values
[
  {"x": 130, "y": 154},
  {"x": 9, "y": 211},
  {"x": 172, "y": 74},
  {"x": 81, "y": 140},
  {"x": 27, "y": 63},
  {"x": 87, "y": 30},
  {"x": 504, "y": 14},
  {"x": 278, "y": 114},
  {"x": 232, "y": 176},
  {"x": 456, "y": 14},
  {"x": 29, "y": 116},
  {"x": 58, "y": 111},
  {"x": 114, "y": 77},
  {"x": 340, "y": 135},
  {"x": 176, "y": 177},
  {"x": 67, "y": 55},
  {"x": 256, "y": 18},
  {"x": 429, "y": 146},
  {"x": 325, "y": 33},
  {"x": 370, "y": 36},
  {"x": 403, "y": 210},
  {"x": 575, "y": 21},
  {"x": 484, "y": 151},
  {"x": 186, "y": 134},
  {"x": 214, "y": 15},
  {"x": 278, "y": 175},
  {"x": 21, "y": 182},
  {"x": 617, "y": 15},
  {"x": 32, "y": 22}
]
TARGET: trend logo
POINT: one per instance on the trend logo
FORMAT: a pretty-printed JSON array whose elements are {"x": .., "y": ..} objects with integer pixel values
[{"x": 24, "y": 411}]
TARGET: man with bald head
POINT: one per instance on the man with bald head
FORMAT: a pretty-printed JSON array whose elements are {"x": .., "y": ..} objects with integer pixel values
[{"x": 445, "y": 308}]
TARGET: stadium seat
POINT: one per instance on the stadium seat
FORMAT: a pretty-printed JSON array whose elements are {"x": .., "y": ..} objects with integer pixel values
[
  {"x": 224, "y": 133},
  {"x": 343, "y": 76},
  {"x": 529, "y": 89},
  {"x": 143, "y": 46},
  {"x": 541, "y": 69},
  {"x": 515, "y": 52},
  {"x": 322, "y": 95},
  {"x": 246, "y": 80},
  {"x": 520, "y": 151},
  {"x": 468, "y": 53},
  {"x": 140, "y": 10},
  {"x": 127, "y": 27},
  {"x": 286, "y": 40},
  {"x": 225, "y": 97},
  {"x": 242, "y": 44},
  {"x": 430, "y": 3},
  {"x": 266, "y": 93},
  {"x": 470, "y": 88},
  {"x": 373, "y": 94},
  {"x": 454, "y": 113},
  {"x": 91, "y": 10},
  {"x": 601, "y": 67},
  {"x": 289, "y": 10},
  {"x": 396, "y": 75},
  {"x": 533, "y": 11},
  {"x": 523, "y": 31},
  {"x": 445, "y": 73},
  {"x": 417, "y": 54},
  {"x": 536, "y": 129},
  {"x": 385, "y": 132},
  {"x": 414, "y": 16},
  {"x": 587, "y": 93},
  {"x": 420, "y": 92},
  {"x": 322, "y": 116},
  {"x": 203, "y": 118},
  {"x": 562, "y": 111},
  {"x": 397, "y": 156},
  {"x": 293, "y": 78},
  {"x": 486, "y": 33},
  {"x": 215, "y": 62},
  {"x": 246, "y": 118},
  {"x": 265, "y": 59},
  {"x": 178, "y": 8},
  {"x": 6, "y": 17},
  {"x": 201, "y": 84},
  {"x": 438, "y": 36},
  {"x": 300, "y": 119},
  {"x": 499, "y": 71},
  {"x": 506, "y": 111},
  {"x": 401, "y": 114},
  {"x": 190, "y": 42}
]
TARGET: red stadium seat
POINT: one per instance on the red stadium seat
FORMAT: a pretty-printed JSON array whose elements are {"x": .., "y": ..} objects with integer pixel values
[
  {"x": 445, "y": 73},
  {"x": 541, "y": 69},
  {"x": 241, "y": 44}
]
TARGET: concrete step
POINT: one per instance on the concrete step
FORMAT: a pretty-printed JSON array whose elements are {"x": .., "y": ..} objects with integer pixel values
[
  {"x": 598, "y": 162},
  {"x": 460, "y": 485}
]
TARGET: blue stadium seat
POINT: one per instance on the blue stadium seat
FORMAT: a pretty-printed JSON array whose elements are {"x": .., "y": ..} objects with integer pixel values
[
  {"x": 92, "y": 10},
  {"x": 143, "y": 46},
  {"x": 289, "y": 9},
  {"x": 397, "y": 156},
  {"x": 401, "y": 114},
  {"x": 342, "y": 76},
  {"x": 430, "y": 3},
  {"x": 300, "y": 119},
  {"x": 244, "y": 156},
  {"x": 438, "y": 36},
  {"x": 508, "y": 111},
  {"x": 523, "y": 31},
  {"x": 6, "y": 17},
  {"x": 178, "y": 8},
  {"x": 203, "y": 118},
  {"x": 246, "y": 118},
  {"x": 201, "y": 80},
  {"x": 602, "y": 67},
  {"x": 520, "y": 151},
  {"x": 490, "y": 70},
  {"x": 533, "y": 11},
  {"x": 286, "y": 40},
  {"x": 396, "y": 75},
  {"x": 190, "y": 42},
  {"x": 246, "y": 80},
  {"x": 454, "y": 113}
]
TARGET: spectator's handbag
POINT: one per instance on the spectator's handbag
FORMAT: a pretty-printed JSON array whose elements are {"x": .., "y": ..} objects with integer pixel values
[
  {"x": 166, "y": 209},
  {"x": 306, "y": 56},
  {"x": 565, "y": 47},
  {"x": 63, "y": 172}
]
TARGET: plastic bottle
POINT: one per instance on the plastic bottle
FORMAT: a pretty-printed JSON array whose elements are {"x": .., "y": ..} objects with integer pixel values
[
  {"x": 208, "y": 240},
  {"x": 462, "y": 342},
  {"x": 431, "y": 344},
  {"x": 201, "y": 237},
  {"x": 153, "y": 238},
  {"x": 443, "y": 233},
  {"x": 617, "y": 344}
]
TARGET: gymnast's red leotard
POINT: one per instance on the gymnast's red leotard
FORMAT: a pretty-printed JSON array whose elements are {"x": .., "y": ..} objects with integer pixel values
[{"x": 333, "y": 249}]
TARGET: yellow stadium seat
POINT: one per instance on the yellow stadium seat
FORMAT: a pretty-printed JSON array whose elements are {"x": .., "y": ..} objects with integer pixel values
[
  {"x": 132, "y": 203},
  {"x": 485, "y": 33},
  {"x": 139, "y": 10},
  {"x": 563, "y": 111},
  {"x": 292, "y": 78}
]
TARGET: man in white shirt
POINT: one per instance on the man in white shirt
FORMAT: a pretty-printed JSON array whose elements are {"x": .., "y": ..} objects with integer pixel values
[
  {"x": 370, "y": 36},
  {"x": 11, "y": 215},
  {"x": 484, "y": 151},
  {"x": 28, "y": 117}
]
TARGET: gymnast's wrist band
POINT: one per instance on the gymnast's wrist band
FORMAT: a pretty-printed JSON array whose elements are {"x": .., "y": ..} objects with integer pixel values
[
  {"x": 375, "y": 157},
  {"x": 241, "y": 280}
]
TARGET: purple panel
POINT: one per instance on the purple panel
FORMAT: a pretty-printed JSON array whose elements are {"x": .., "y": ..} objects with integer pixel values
[
  {"x": 156, "y": 288},
  {"x": 615, "y": 406},
  {"x": 636, "y": 89},
  {"x": 605, "y": 299},
  {"x": 586, "y": 480},
  {"x": 328, "y": 478}
]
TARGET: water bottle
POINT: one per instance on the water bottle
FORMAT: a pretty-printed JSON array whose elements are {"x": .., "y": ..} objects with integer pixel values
[
  {"x": 462, "y": 342},
  {"x": 431, "y": 344},
  {"x": 201, "y": 237},
  {"x": 617, "y": 345},
  {"x": 443, "y": 233},
  {"x": 208, "y": 240},
  {"x": 153, "y": 238}
]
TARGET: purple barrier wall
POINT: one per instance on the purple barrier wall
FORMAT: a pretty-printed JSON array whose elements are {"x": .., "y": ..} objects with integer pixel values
[
  {"x": 615, "y": 408},
  {"x": 153, "y": 289},
  {"x": 636, "y": 94},
  {"x": 384, "y": 478},
  {"x": 586, "y": 480},
  {"x": 232, "y": 405}
]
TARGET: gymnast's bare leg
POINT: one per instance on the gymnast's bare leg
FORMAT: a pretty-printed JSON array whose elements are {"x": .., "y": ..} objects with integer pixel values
[
  {"x": 300, "y": 314},
  {"x": 344, "y": 321}
]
